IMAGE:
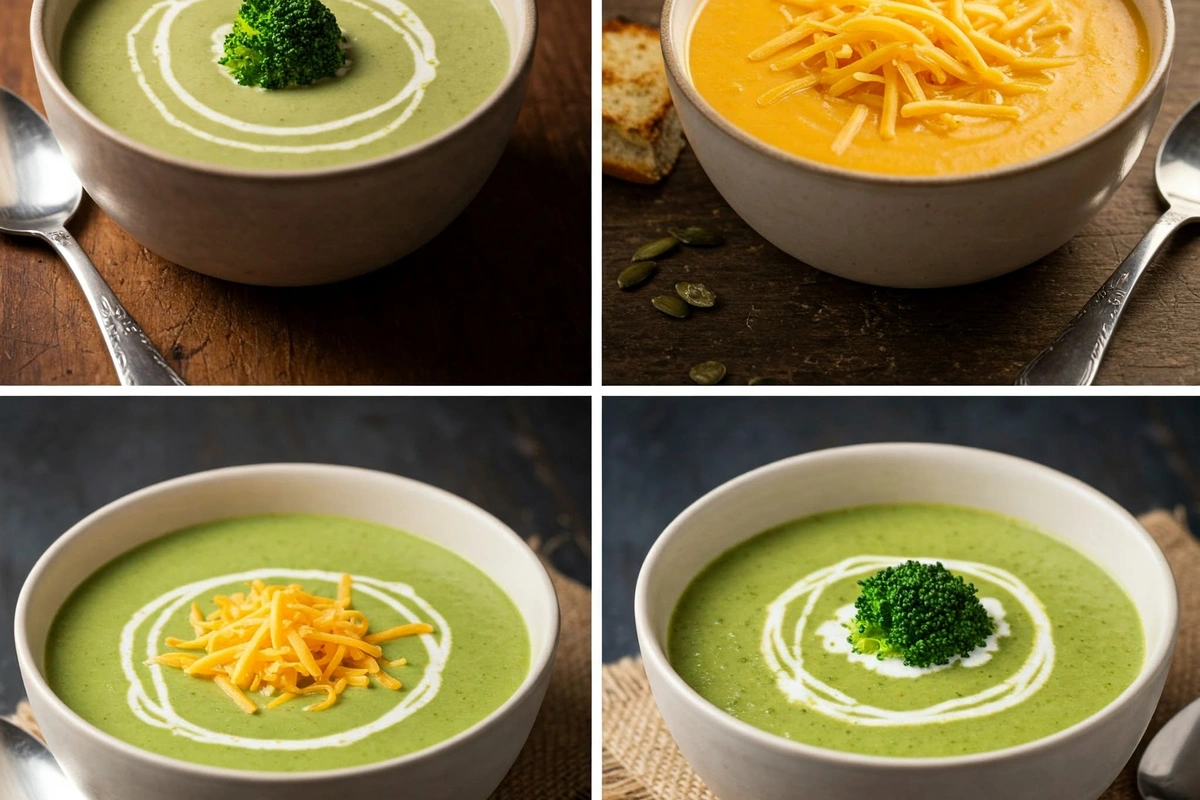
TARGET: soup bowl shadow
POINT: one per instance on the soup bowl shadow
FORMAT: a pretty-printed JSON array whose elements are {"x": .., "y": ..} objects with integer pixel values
[
  {"x": 915, "y": 231},
  {"x": 282, "y": 227},
  {"x": 737, "y": 760},
  {"x": 467, "y": 766}
]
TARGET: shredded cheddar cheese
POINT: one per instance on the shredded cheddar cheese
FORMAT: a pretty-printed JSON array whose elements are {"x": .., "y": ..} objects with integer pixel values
[
  {"x": 281, "y": 639},
  {"x": 920, "y": 62}
]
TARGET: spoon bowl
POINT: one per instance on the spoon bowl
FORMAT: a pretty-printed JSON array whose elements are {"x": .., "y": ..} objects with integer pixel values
[
  {"x": 1177, "y": 170},
  {"x": 1170, "y": 767},
  {"x": 38, "y": 194},
  {"x": 38, "y": 191},
  {"x": 28, "y": 771}
]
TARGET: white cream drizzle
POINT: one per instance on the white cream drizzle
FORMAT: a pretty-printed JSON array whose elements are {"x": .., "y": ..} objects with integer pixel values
[
  {"x": 784, "y": 654},
  {"x": 154, "y": 708},
  {"x": 835, "y": 636},
  {"x": 402, "y": 20}
]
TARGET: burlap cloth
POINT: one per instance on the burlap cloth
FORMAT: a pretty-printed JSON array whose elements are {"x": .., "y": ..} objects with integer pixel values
[
  {"x": 641, "y": 761},
  {"x": 555, "y": 763}
]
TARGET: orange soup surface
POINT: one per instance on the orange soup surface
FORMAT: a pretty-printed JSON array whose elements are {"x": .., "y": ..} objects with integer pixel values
[{"x": 918, "y": 87}]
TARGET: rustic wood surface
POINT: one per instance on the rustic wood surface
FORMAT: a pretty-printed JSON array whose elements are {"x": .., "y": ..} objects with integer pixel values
[
  {"x": 661, "y": 454},
  {"x": 783, "y": 319},
  {"x": 525, "y": 460},
  {"x": 500, "y": 297}
]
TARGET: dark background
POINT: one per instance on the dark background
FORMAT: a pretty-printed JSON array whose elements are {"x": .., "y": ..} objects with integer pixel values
[
  {"x": 662, "y": 454},
  {"x": 526, "y": 460}
]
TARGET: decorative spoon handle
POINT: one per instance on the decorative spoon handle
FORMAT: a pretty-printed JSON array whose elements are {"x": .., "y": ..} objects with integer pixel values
[
  {"x": 138, "y": 363},
  {"x": 1073, "y": 358}
]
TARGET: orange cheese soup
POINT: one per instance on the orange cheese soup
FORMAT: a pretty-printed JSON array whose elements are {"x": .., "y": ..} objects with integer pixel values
[{"x": 918, "y": 87}]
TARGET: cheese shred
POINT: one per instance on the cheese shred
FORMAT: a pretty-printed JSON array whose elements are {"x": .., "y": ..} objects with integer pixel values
[
  {"x": 853, "y": 125},
  {"x": 923, "y": 63},
  {"x": 283, "y": 640}
]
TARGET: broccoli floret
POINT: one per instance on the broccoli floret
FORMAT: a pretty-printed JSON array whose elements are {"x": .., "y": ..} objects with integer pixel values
[
  {"x": 279, "y": 43},
  {"x": 922, "y": 613}
]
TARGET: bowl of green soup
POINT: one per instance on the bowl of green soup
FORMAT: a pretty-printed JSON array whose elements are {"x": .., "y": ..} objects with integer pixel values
[
  {"x": 285, "y": 630},
  {"x": 935, "y": 620},
  {"x": 301, "y": 183}
]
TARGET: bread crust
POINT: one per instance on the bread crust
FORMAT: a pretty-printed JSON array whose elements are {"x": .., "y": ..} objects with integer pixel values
[{"x": 641, "y": 133}]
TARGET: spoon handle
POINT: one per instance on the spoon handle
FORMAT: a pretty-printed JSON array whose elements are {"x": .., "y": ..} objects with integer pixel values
[
  {"x": 1073, "y": 358},
  {"x": 138, "y": 363}
]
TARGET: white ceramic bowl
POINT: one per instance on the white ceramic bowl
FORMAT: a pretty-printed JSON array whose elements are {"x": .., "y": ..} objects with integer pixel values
[
  {"x": 283, "y": 227},
  {"x": 741, "y": 762},
  {"x": 919, "y": 231},
  {"x": 467, "y": 766}
]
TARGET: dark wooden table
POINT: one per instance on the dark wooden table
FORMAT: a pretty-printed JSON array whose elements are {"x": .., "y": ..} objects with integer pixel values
[
  {"x": 500, "y": 297},
  {"x": 780, "y": 318},
  {"x": 662, "y": 454},
  {"x": 527, "y": 461}
]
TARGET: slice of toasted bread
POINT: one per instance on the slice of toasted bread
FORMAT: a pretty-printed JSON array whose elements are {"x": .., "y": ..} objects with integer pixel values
[{"x": 642, "y": 138}]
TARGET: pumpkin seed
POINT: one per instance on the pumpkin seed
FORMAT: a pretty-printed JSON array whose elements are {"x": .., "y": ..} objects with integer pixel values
[
  {"x": 696, "y": 294},
  {"x": 708, "y": 373},
  {"x": 758, "y": 380},
  {"x": 635, "y": 274},
  {"x": 695, "y": 236},
  {"x": 659, "y": 247},
  {"x": 671, "y": 306}
]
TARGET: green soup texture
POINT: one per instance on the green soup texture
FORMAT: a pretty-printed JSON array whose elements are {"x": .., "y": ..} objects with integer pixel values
[
  {"x": 1069, "y": 640},
  {"x": 149, "y": 69},
  {"x": 487, "y": 660}
]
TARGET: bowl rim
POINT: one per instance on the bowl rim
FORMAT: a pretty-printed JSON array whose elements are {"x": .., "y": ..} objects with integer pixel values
[
  {"x": 655, "y": 657},
  {"x": 680, "y": 77},
  {"x": 539, "y": 667},
  {"x": 520, "y": 59}
]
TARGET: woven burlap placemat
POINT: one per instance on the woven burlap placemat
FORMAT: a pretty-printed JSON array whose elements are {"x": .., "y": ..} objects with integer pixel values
[
  {"x": 641, "y": 761},
  {"x": 555, "y": 763}
]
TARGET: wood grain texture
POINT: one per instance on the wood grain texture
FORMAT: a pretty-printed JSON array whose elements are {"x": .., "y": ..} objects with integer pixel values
[
  {"x": 780, "y": 318},
  {"x": 500, "y": 297},
  {"x": 525, "y": 460},
  {"x": 661, "y": 454}
]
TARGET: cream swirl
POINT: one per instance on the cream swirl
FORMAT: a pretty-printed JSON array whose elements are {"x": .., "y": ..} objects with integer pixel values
[
  {"x": 392, "y": 13},
  {"x": 784, "y": 654}
]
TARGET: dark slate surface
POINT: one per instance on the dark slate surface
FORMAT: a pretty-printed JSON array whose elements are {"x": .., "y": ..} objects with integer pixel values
[
  {"x": 527, "y": 461},
  {"x": 662, "y": 454}
]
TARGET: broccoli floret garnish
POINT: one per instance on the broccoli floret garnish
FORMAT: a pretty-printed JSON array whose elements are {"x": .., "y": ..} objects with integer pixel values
[
  {"x": 922, "y": 613},
  {"x": 279, "y": 43}
]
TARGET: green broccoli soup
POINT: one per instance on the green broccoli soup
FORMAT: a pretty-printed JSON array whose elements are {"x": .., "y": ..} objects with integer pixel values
[
  {"x": 906, "y": 630},
  {"x": 302, "y": 84},
  {"x": 287, "y": 643}
]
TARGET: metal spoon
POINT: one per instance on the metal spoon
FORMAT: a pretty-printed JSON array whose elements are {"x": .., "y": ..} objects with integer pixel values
[
  {"x": 38, "y": 194},
  {"x": 1170, "y": 767},
  {"x": 1073, "y": 358},
  {"x": 28, "y": 771}
]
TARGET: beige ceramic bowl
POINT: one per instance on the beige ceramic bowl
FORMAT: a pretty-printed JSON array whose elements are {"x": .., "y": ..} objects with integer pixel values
[
  {"x": 922, "y": 232},
  {"x": 467, "y": 766},
  {"x": 740, "y": 762},
  {"x": 283, "y": 228}
]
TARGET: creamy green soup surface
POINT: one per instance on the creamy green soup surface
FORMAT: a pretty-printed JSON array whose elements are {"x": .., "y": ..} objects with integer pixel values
[
  {"x": 488, "y": 645},
  {"x": 1068, "y": 641},
  {"x": 149, "y": 69}
]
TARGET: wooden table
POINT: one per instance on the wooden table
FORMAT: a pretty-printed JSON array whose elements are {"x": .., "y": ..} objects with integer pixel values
[
  {"x": 661, "y": 454},
  {"x": 500, "y": 297},
  {"x": 525, "y": 460},
  {"x": 783, "y": 319}
]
